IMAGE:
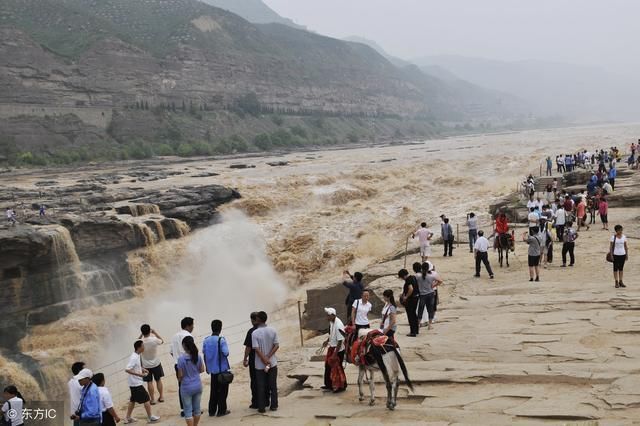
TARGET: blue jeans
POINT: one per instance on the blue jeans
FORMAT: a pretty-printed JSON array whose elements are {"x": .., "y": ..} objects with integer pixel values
[
  {"x": 191, "y": 403},
  {"x": 473, "y": 236}
]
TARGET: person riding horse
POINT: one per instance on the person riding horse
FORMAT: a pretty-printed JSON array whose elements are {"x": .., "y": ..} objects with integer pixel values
[{"x": 503, "y": 239}]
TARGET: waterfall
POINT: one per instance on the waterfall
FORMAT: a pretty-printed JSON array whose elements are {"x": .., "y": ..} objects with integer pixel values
[{"x": 68, "y": 266}]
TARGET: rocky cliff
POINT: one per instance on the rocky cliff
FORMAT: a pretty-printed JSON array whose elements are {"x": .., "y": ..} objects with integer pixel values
[{"x": 51, "y": 266}]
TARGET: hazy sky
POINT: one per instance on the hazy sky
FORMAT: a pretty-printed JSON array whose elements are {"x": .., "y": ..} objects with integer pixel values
[{"x": 595, "y": 32}]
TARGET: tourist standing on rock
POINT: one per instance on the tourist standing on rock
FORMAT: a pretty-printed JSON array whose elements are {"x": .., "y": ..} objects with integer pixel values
[
  {"x": 447, "y": 237},
  {"x": 581, "y": 213},
  {"x": 12, "y": 410},
  {"x": 388, "y": 324},
  {"x": 75, "y": 390},
  {"x": 592, "y": 208},
  {"x": 109, "y": 415},
  {"x": 547, "y": 246},
  {"x": 619, "y": 252},
  {"x": 151, "y": 361},
  {"x": 481, "y": 254},
  {"x": 265, "y": 342},
  {"x": 534, "y": 221},
  {"x": 360, "y": 311},
  {"x": 424, "y": 235},
  {"x": 472, "y": 224},
  {"x": 190, "y": 367},
  {"x": 410, "y": 299},
  {"x": 560, "y": 163},
  {"x": 42, "y": 211},
  {"x": 216, "y": 357},
  {"x": 569, "y": 238},
  {"x": 88, "y": 411},
  {"x": 334, "y": 378},
  {"x": 11, "y": 217},
  {"x": 135, "y": 376},
  {"x": 613, "y": 174},
  {"x": 607, "y": 188},
  {"x": 176, "y": 350},
  {"x": 356, "y": 287},
  {"x": 560, "y": 221},
  {"x": 549, "y": 167},
  {"x": 535, "y": 251},
  {"x": 250, "y": 361},
  {"x": 428, "y": 281},
  {"x": 603, "y": 210}
]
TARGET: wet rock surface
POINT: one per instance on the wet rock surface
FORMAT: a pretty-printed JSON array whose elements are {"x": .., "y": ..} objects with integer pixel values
[{"x": 76, "y": 254}]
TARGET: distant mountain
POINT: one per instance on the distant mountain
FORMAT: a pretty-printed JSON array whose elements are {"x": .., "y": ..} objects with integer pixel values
[
  {"x": 473, "y": 96},
  {"x": 375, "y": 46},
  {"x": 578, "y": 92},
  {"x": 255, "y": 11}
]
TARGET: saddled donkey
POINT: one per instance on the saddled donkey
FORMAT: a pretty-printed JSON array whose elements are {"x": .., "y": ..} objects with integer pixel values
[
  {"x": 504, "y": 243},
  {"x": 372, "y": 351}
]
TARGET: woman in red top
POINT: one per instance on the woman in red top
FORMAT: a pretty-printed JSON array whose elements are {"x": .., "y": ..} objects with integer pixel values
[
  {"x": 603, "y": 209},
  {"x": 502, "y": 224}
]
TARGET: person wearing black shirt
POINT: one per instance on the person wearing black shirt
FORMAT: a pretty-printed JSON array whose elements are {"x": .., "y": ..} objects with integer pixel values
[
  {"x": 410, "y": 298},
  {"x": 249, "y": 361},
  {"x": 356, "y": 287}
]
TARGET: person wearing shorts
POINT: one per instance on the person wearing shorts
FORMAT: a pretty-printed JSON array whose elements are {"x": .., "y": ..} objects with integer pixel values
[
  {"x": 151, "y": 362},
  {"x": 535, "y": 251},
  {"x": 135, "y": 375},
  {"x": 620, "y": 253},
  {"x": 424, "y": 237}
]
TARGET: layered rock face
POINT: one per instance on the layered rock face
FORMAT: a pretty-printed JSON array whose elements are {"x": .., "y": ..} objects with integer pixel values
[{"x": 52, "y": 266}]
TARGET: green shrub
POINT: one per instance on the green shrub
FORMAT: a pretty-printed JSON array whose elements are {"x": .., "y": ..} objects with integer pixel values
[
  {"x": 184, "y": 150},
  {"x": 263, "y": 142}
]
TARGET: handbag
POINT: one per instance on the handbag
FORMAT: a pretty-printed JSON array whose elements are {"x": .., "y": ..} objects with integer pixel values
[
  {"x": 224, "y": 377},
  {"x": 609, "y": 257}
]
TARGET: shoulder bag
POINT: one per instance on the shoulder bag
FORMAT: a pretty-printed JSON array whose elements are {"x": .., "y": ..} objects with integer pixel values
[{"x": 224, "y": 377}]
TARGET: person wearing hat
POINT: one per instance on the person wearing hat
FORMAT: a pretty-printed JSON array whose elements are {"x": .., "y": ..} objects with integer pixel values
[
  {"x": 334, "y": 377},
  {"x": 88, "y": 411}
]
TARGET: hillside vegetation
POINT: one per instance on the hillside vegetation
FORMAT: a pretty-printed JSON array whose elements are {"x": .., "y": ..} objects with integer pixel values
[{"x": 180, "y": 77}]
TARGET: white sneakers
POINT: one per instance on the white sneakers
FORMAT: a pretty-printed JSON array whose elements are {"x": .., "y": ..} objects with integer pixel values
[{"x": 152, "y": 419}]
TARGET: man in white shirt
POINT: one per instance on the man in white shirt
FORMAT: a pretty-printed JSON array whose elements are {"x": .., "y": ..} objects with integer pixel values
[
  {"x": 75, "y": 390},
  {"x": 480, "y": 251},
  {"x": 335, "y": 354},
  {"x": 424, "y": 237},
  {"x": 135, "y": 374},
  {"x": 560, "y": 221},
  {"x": 176, "y": 350},
  {"x": 151, "y": 362},
  {"x": 531, "y": 203}
]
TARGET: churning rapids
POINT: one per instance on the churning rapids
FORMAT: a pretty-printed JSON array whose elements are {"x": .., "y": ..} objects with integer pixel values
[{"x": 297, "y": 225}]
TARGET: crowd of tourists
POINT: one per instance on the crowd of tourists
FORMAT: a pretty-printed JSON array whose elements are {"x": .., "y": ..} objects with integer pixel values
[
  {"x": 91, "y": 403},
  {"x": 566, "y": 213}
]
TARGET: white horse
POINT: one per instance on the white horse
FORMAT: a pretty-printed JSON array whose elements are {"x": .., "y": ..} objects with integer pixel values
[{"x": 389, "y": 362}]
